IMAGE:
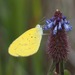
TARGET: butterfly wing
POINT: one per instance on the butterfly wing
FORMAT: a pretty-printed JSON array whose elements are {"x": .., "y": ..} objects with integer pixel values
[{"x": 27, "y": 44}]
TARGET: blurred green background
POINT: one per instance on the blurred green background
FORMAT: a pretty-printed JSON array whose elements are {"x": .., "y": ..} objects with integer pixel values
[{"x": 17, "y": 16}]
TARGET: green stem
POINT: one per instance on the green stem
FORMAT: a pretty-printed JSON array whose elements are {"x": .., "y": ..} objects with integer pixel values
[
  {"x": 62, "y": 68},
  {"x": 51, "y": 69}
]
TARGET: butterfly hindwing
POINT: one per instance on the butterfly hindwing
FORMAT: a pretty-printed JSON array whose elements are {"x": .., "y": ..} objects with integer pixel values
[{"x": 28, "y": 43}]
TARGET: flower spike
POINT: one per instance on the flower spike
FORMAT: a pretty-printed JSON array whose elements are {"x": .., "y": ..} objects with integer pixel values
[{"x": 57, "y": 45}]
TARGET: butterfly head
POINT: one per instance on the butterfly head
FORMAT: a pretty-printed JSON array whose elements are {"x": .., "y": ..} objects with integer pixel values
[{"x": 39, "y": 29}]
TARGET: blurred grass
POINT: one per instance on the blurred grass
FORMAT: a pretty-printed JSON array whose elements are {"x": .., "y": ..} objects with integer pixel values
[{"x": 16, "y": 16}]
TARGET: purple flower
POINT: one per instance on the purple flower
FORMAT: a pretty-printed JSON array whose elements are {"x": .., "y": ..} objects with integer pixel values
[{"x": 57, "y": 22}]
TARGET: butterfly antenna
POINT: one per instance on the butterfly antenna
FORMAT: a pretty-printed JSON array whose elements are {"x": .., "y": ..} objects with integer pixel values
[{"x": 42, "y": 20}]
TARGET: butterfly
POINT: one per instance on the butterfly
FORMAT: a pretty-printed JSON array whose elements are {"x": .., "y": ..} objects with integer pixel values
[{"x": 27, "y": 44}]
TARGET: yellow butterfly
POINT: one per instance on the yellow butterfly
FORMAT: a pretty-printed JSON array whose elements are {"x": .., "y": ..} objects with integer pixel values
[{"x": 27, "y": 44}]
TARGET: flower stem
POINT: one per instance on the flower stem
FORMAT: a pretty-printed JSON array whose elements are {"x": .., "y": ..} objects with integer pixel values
[
  {"x": 61, "y": 67},
  {"x": 57, "y": 68}
]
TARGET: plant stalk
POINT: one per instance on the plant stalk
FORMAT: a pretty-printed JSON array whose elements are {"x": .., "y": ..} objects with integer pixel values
[
  {"x": 57, "y": 68},
  {"x": 61, "y": 67}
]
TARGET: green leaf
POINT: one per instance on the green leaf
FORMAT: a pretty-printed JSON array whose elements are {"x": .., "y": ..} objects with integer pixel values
[{"x": 66, "y": 72}]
